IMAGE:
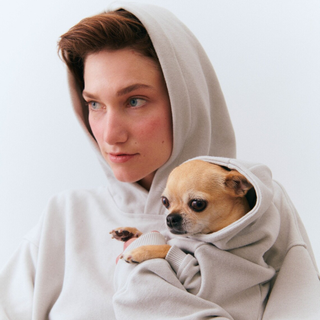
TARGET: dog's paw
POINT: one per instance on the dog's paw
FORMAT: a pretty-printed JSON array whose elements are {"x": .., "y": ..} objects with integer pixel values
[
  {"x": 125, "y": 233},
  {"x": 134, "y": 256},
  {"x": 146, "y": 252}
]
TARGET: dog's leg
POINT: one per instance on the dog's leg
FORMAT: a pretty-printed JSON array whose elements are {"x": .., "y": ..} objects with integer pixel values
[
  {"x": 125, "y": 233},
  {"x": 144, "y": 253}
]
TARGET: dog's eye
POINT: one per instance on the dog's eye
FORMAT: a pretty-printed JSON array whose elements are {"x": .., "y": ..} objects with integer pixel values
[
  {"x": 198, "y": 205},
  {"x": 165, "y": 202}
]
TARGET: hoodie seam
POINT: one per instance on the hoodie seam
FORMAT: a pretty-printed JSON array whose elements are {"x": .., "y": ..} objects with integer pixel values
[
  {"x": 30, "y": 242},
  {"x": 277, "y": 269}
]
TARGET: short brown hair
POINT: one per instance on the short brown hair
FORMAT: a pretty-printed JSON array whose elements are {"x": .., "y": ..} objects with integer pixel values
[{"x": 109, "y": 30}]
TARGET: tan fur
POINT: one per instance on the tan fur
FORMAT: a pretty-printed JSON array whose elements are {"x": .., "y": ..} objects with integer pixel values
[
  {"x": 223, "y": 192},
  {"x": 146, "y": 253}
]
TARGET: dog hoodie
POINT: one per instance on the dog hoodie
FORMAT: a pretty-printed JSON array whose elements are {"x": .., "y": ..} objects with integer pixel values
[{"x": 251, "y": 269}]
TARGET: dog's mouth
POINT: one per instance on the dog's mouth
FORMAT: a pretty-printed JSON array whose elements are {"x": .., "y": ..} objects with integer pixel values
[{"x": 175, "y": 231}]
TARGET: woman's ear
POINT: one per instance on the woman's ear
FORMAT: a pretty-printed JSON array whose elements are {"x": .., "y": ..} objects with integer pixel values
[{"x": 237, "y": 184}]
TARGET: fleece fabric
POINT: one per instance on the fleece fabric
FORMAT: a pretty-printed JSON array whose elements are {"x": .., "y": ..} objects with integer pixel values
[
  {"x": 65, "y": 267},
  {"x": 236, "y": 272}
]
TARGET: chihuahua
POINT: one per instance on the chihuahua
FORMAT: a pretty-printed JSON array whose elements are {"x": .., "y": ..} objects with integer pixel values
[{"x": 201, "y": 197}]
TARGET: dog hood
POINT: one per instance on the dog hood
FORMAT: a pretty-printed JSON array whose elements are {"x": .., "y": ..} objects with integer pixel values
[
  {"x": 262, "y": 221},
  {"x": 201, "y": 123}
]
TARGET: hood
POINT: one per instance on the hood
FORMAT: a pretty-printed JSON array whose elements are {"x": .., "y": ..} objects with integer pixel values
[{"x": 201, "y": 123}]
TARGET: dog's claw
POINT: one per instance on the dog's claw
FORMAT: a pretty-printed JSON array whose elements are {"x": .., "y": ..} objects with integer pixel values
[{"x": 129, "y": 259}]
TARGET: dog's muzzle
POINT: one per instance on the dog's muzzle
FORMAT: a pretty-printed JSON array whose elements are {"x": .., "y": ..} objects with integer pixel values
[{"x": 175, "y": 223}]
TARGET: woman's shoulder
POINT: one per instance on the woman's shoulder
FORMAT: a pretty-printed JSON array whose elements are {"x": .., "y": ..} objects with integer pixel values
[
  {"x": 65, "y": 208},
  {"x": 79, "y": 196}
]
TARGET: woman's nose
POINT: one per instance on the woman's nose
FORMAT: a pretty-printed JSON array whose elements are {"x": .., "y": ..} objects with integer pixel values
[{"x": 115, "y": 130}]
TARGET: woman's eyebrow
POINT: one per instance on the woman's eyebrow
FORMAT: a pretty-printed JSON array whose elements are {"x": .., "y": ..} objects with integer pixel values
[
  {"x": 86, "y": 94},
  {"x": 120, "y": 92},
  {"x": 132, "y": 87}
]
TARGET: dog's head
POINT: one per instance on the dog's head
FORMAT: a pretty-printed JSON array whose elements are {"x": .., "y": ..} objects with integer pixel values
[{"x": 202, "y": 197}]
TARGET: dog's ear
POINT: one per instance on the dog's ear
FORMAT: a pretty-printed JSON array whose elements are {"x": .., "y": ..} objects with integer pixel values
[{"x": 237, "y": 184}]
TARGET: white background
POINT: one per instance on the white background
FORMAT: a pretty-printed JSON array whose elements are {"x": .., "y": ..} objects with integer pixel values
[{"x": 266, "y": 55}]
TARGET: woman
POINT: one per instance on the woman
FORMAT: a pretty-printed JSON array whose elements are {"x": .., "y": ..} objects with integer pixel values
[{"x": 146, "y": 107}]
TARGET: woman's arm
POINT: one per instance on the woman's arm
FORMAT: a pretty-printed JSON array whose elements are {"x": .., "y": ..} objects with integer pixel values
[
  {"x": 296, "y": 291},
  {"x": 17, "y": 284},
  {"x": 152, "y": 290}
]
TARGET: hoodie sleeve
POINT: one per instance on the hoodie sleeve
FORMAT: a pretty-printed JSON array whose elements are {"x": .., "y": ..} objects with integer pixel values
[
  {"x": 16, "y": 284},
  {"x": 152, "y": 291},
  {"x": 296, "y": 290},
  {"x": 154, "y": 287},
  {"x": 187, "y": 269}
]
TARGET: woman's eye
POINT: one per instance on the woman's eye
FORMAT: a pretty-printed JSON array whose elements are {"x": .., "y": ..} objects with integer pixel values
[
  {"x": 165, "y": 202},
  {"x": 198, "y": 205},
  {"x": 94, "y": 105},
  {"x": 136, "y": 102}
]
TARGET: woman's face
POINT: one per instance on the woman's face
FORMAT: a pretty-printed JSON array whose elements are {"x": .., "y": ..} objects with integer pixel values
[{"x": 129, "y": 113}]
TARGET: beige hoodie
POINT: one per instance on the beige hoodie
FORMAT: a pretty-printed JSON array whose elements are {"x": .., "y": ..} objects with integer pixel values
[{"x": 65, "y": 267}]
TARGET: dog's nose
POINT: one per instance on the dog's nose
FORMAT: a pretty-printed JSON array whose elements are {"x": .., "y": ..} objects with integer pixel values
[{"x": 174, "y": 220}]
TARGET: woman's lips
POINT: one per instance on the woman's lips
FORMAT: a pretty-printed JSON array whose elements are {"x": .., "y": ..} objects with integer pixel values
[{"x": 120, "y": 157}]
